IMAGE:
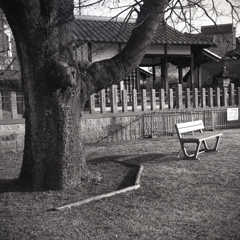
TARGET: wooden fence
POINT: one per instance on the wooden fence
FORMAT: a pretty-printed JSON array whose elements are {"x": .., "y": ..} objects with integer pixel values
[
  {"x": 12, "y": 103},
  {"x": 162, "y": 123}
]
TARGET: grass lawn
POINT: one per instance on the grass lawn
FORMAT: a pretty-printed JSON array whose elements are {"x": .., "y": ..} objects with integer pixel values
[{"x": 178, "y": 199}]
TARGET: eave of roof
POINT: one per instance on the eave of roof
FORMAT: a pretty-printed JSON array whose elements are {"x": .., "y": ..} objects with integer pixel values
[
  {"x": 211, "y": 55},
  {"x": 105, "y": 31}
]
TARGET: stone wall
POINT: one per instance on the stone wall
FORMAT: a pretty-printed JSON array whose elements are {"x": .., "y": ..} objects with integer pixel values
[
  {"x": 111, "y": 128},
  {"x": 93, "y": 130},
  {"x": 12, "y": 137}
]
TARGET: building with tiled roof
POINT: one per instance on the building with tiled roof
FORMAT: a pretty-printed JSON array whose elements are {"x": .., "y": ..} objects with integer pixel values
[
  {"x": 99, "y": 38},
  {"x": 103, "y": 30}
]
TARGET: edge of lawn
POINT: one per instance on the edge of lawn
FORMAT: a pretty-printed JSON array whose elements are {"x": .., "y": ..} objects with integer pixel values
[{"x": 106, "y": 195}]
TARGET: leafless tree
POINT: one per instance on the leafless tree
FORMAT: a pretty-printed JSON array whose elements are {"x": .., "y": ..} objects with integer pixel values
[{"x": 56, "y": 86}]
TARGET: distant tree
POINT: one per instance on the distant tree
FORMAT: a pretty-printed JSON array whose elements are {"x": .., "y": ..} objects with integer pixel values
[{"x": 56, "y": 86}]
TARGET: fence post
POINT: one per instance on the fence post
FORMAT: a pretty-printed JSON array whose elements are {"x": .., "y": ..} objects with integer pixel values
[
  {"x": 195, "y": 97},
  {"x": 238, "y": 96},
  {"x": 113, "y": 98},
  {"x": 92, "y": 104},
  {"x": 144, "y": 100},
  {"x": 134, "y": 100},
  {"x": 203, "y": 98},
  {"x": 1, "y": 114},
  {"x": 170, "y": 98},
  {"x": 103, "y": 101},
  {"x": 210, "y": 97},
  {"x": 179, "y": 96},
  {"x": 225, "y": 97},
  {"x": 187, "y": 98},
  {"x": 153, "y": 99},
  {"x": 14, "y": 105},
  {"x": 124, "y": 100},
  {"x": 161, "y": 99},
  {"x": 217, "y": 97},
  {"x": 231, "y": 94}
]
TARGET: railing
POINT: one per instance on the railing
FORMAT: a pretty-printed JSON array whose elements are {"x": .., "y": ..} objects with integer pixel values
[{"x": 178, "y": 98}]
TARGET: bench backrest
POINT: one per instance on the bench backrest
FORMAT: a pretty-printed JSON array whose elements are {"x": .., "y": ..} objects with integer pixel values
[{"x": 189, "y": 126}]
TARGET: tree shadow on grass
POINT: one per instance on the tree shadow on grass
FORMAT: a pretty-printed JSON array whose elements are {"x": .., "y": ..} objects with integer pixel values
[
  {"x": 14, "y": 185},
  {"x": 137, "y": 159},
  {"x": 133, "y": 162}
]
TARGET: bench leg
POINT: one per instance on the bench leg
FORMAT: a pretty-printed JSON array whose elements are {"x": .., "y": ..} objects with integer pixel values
[
  {"x": 215, "y": 147},
  {"x": 191, "y": 156}
]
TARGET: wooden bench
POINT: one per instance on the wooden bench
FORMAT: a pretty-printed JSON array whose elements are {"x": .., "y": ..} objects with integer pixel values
[{"x": 199, "y": 138}]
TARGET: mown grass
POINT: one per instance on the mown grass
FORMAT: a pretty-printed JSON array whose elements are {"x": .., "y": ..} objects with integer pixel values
[{"x": 178, "y": 199}]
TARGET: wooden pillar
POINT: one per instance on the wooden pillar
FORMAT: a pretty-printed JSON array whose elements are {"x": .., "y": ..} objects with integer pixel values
[
  {"x": 164, "y": 73},
  {"x": 154, "y": 76},
  {"x": 153, "y": 99},
  {"x": 179, "y": 96},
  {"x": 203, "y": 97},
  {"x": 210, "y": 97},
  {"x": 180, "y": 72},
  {"x": 199, "y": 77},
  {"x": 103, "y": 101},
  {"x": 170, "y": 98},
  {"x": 138, "y": 87},
  {"x": 217, "y": 97},
  {"x": 195, "y": 97},
  {"x": 238, "y": 96},
  {"x": 187, "y": 98},
  {"x": 144, "y": 100},
  {"x": 92, "y": 104},
  {"x": 166, "y": 68},
  {"x": 14, "y": 105},
  {"x": 124, "y": 100},
  {"x": 113, "y": 96},
  {"x": 225, "y": 96},
  {"x": 1, "y": 113},
  {"x": 161, "y": 99},
  {"x": 134, "y": 100},
  {"x": 192, "y": 73},
  {"x": 231, "y": 95}
]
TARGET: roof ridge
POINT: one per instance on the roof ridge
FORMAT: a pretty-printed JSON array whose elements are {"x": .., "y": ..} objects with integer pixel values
[{"x": 103, "y": 18}]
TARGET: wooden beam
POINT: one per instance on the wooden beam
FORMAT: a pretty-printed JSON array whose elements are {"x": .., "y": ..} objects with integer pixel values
[{"x": 192, "y": 72}]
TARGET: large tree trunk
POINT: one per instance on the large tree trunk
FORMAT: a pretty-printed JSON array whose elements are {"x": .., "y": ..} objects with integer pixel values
[
  {"x": 55, "y": 87},
  {"x": 53, "y": 152}
]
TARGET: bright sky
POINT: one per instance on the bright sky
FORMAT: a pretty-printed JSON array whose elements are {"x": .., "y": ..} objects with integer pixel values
[{"x": 201, "y": 19}]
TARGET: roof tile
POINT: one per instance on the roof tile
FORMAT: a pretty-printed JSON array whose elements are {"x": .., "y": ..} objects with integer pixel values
[{"x": 119, "y": 32}]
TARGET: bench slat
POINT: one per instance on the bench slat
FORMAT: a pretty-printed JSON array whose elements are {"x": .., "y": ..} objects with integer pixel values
[
  {"x": 189, "y": 126},
  {"x": 200, "y": 137}
]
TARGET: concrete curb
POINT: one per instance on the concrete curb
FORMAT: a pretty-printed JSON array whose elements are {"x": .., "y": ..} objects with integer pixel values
[{"x": 130, "y": 188}]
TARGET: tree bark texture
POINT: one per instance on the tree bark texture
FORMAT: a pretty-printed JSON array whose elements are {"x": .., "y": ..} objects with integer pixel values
[{"x": 55, "y": 87}]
